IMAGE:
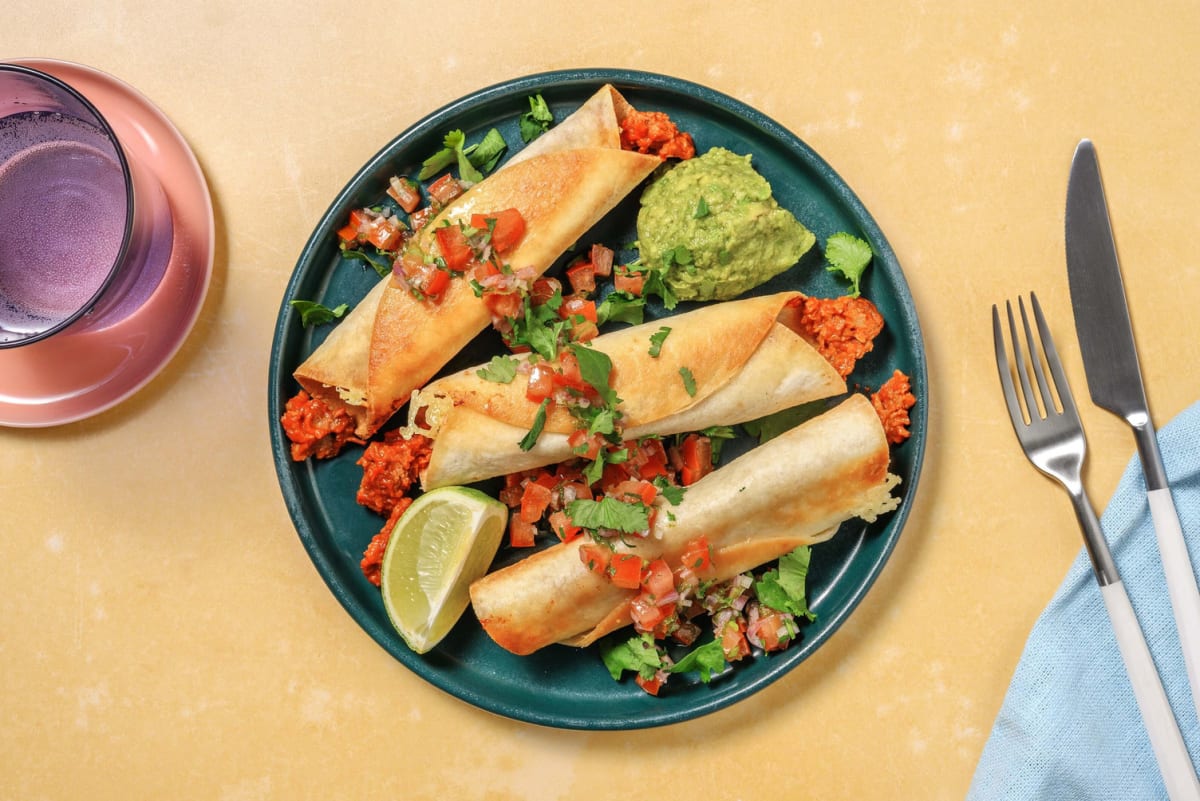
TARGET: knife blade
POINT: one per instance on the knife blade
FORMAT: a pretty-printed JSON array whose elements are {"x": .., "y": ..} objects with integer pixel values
[{"x": 1114, "y": 379}]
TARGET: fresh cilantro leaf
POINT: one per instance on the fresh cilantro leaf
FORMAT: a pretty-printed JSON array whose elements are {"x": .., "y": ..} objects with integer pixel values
[
  {"x": 639, "y": 654},
  {"x": 313, "y": 313},
  {"x": 451, "y": 144},
  {"x": 718, "y": 435},
  {"x": 848, "y": 255},
  {"x": 501, "y": 370},
  {"x": 595, "y": 367},
  {"x": 452, "y": 152},
  {"x": 653, "y": 283},
  {"x": 487, "y": 152},
  {"x": 595, "y": 470},
  {"x": 621, "y": 307},
  {"x": 701, "y": 209},
  {"x": 537, "y": 120},
  {"x": 708, "y": 659},
  {"x": 672, "y": 492},
  {"x": 539, "y": 423},
  {"x": 689, "y": 381},
  {"x": 609, "y": 513},
  {"x": 783, "y": 588},
  {"x": 771, "y": 426},
  {"x": 657, "y": 339},
  {"x": 383, "y": 267}
]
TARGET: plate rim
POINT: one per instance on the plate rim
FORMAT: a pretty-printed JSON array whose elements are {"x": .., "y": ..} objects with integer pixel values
[{"x": 641, "y": 80}]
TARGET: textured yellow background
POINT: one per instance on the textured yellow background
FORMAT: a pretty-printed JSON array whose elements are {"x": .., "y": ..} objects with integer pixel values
[{"x": 164, "y": 635}]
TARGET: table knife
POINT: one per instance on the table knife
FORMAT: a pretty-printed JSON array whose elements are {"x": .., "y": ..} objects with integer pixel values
[{"x": 1114, "y": 380}]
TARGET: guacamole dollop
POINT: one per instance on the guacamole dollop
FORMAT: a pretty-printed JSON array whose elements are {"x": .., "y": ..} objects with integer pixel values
[{"x": 713, "y": 223}]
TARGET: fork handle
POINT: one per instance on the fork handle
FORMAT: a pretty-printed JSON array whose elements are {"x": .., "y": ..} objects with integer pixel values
[{"x": 1179, "y": 776}]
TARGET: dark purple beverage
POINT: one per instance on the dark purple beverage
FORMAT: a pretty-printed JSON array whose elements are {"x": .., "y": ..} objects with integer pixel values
[{"x": 55, "y": 171}]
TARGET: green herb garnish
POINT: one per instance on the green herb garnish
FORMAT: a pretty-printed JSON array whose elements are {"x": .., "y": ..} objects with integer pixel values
[
  {"x": 313, "y": 313},
  {"x": 848, "y": 255},
  {"x": 783, "y": 588},
  {"x": 657, "y": 339},
  {"x": 501, "y": 370},
  {"x": 689, "y": 381},
  {"x": 609, "y": 513},
  {"x": 537, "y": 120},
  {"x": 539, "y": 423}
]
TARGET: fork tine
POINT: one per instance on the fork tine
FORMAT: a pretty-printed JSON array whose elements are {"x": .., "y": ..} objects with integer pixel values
[
  {"x": 1035, "y": 358},
  {"x": 1005, "y": 368},
  {"x": 1019, "y": 365},
  {"x": 1061, "y": 385}
]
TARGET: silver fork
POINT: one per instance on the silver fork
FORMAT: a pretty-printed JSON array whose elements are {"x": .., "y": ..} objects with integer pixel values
[{"x": 1052, "y": 437}]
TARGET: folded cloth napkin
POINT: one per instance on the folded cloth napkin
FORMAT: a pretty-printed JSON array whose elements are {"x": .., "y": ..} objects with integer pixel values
[{"x": 1069, "y": 727}]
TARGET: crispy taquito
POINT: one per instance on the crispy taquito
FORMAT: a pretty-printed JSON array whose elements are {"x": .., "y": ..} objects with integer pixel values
[
  {"x": 745, "y": 359},
  {"x": 796, "y": 489},
  {"x": 393, "y": 342}
]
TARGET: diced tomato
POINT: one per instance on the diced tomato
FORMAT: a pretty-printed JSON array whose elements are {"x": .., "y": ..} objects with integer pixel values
[
  {"x": 647, "y": 613},
  {"x": 625, "y": 570},
  {"x": 520, "y": 533},
  {"x": 454, "y": 246},
  {"x": 602, "y": 260},
  {"x": 697, "y": 555},
  {"x": 631, "y": 282},
  {"x": 595, "y": 557},
  {"x": 582, "y": 276},
  {"x": 647, "y": 458},
  {"x": 658, "y": 580},
  {"x": 568, "y": 374},
  {"x": 584, "y": 445},
  {"x": 503, "y": 304},
  {"x": 535, "y": 500},
  {"x": 733, "y": 641},
  {"x": 772, "y": 632},
  {"x": 635, "y": 489},
  {"x": 696, "y": 451},
  {"x": 562, "y": 526},
  {"x": 651, "y": 685},
  {"x": 348, "y": 233},
  {"x": 445, "y": 189},
  {"x": 507, "y": 229},
  {"x": 544, "y": 289},
  {"x": 384, "y": 233},
  {"x": 541, "y": 383},
  {"x": 405, "y": 192},
  {"x": 575, "y": 305},
  {"x": 436, "y": 282}
]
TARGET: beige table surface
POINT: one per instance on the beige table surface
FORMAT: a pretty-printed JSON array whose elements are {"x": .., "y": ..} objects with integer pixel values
[{"x": 163, "y": 633}]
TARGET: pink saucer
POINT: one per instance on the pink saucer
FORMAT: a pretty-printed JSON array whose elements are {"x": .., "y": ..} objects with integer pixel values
[{"x": 78, "y": 374}]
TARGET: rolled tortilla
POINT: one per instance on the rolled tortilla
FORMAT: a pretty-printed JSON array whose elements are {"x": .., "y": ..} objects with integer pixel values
[
  {"x": 745, "y": 357},
  {"x": 392, "y": 342},
  {"x": 793, "y": 490}
]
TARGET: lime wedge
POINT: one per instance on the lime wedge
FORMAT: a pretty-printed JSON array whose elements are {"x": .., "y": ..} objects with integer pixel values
[{"x": 442, "y": 543}]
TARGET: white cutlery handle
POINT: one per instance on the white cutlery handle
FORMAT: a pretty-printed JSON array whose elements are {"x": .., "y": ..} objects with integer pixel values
[
  {"x": 1174, "y": 763},
  {"x": 1181, "y": 582}
]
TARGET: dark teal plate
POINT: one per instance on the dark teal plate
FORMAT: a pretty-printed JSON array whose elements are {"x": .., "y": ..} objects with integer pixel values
[{"x": 560, "y": 686}]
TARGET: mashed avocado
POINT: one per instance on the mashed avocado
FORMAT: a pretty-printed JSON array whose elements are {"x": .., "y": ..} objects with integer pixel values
[{"x": 713, "y": 223}]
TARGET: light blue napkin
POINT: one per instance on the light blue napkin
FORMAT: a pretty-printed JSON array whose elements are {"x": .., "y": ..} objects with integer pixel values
[{"x": 1069, "y": 727}]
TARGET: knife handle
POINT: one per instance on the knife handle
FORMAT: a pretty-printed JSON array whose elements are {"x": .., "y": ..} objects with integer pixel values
[
  {"x": 1179, "y": 776},
  {"x": 1181, "y": 582}
]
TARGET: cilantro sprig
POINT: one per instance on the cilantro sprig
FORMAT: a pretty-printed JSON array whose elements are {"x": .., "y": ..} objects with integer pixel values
[
  {"x": 471, "y": 160},
  {"x": 537, "y": 120},
  {"x": 313, "y": 313},
  {"x": 848, "y": 255}
]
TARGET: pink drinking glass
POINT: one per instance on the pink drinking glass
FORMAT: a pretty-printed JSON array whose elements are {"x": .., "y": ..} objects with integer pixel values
[{"x": 85, "y": 232}]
